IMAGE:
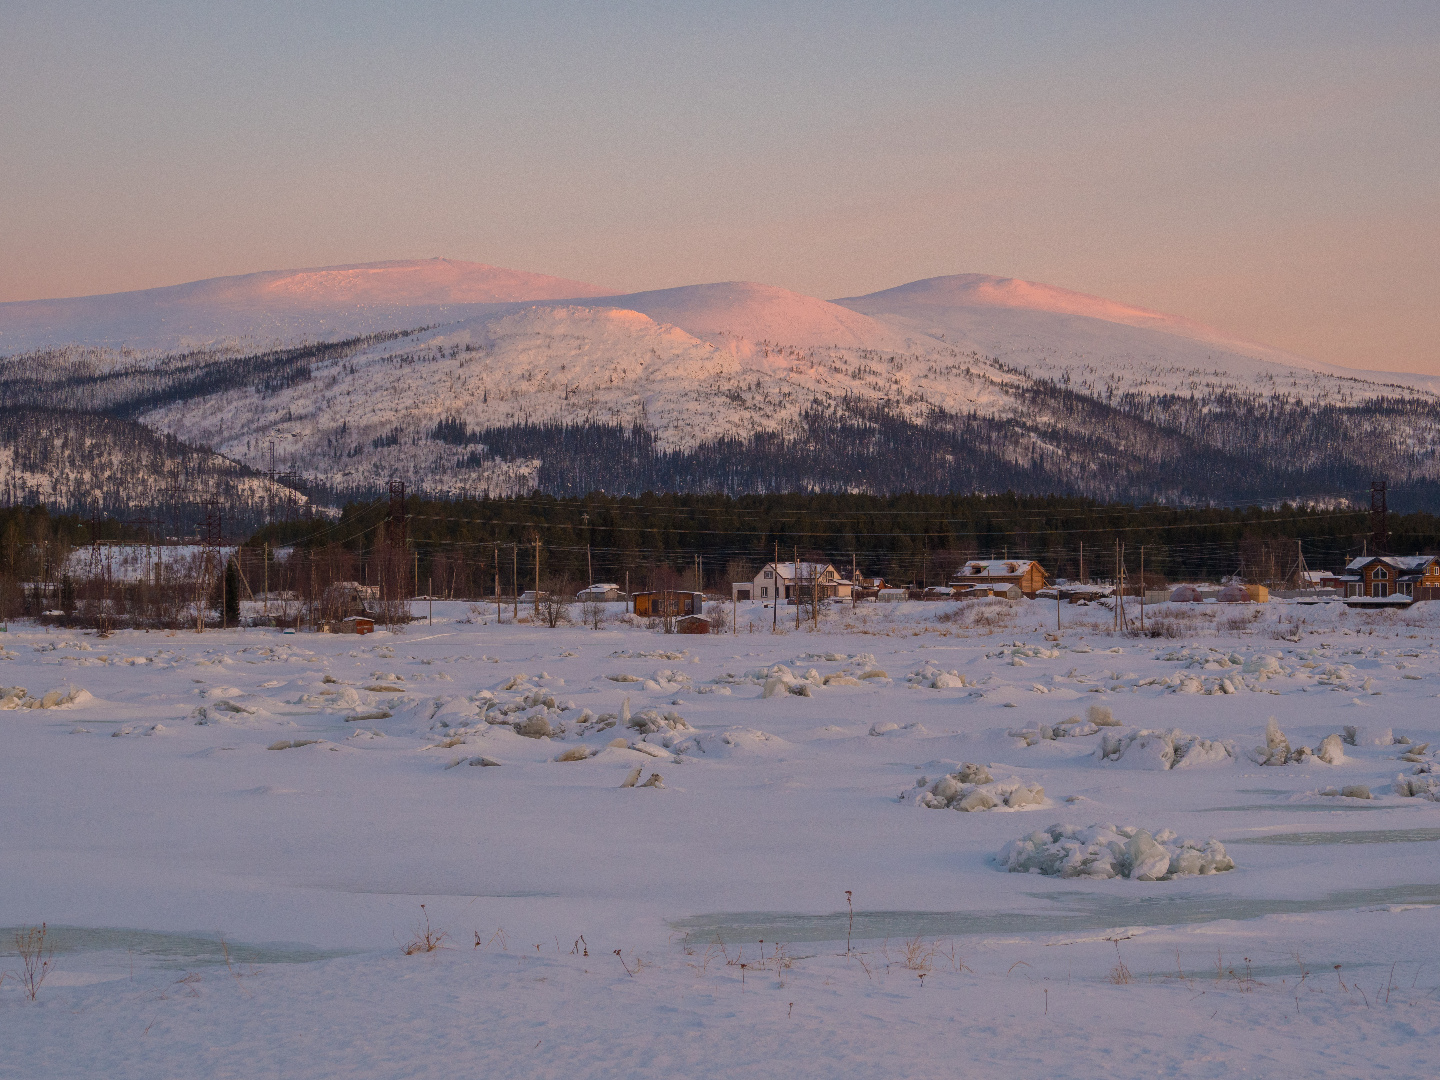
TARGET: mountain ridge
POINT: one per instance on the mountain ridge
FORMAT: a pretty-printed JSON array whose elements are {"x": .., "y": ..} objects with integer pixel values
[{"x": 997, "y": 377}]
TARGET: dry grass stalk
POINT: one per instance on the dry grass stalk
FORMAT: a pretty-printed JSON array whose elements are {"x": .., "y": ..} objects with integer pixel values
[
  {"x": 426, "y": 938},
  {"x": 499, "y": 935}
]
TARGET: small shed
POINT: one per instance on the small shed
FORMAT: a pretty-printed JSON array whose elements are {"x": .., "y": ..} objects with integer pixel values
[
  {"x": 892, "y": 596},
  {"x": 692, "y": 624},
  {"x": 601, "y": 592},
  {"x": 659, "y": 605},
  {"x": 357, "y": 624},
  {"x": 1258, "y": 593}
]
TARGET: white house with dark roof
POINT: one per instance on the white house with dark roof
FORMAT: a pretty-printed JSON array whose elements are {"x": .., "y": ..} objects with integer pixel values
[{"x": 789, "y": 580}]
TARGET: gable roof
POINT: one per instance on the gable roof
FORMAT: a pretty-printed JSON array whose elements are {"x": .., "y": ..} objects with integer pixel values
[
  {"x": 1408, "y": 564},
  {"x": 994, "y": 568},
  {"x": 786, "y": 570}
]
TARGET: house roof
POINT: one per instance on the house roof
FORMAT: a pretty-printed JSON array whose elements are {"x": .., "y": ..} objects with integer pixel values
[
  {"x": 1409, "y": 564},
  {"x": 810, "y": 569},
  {"x": 994, "y": 568}
]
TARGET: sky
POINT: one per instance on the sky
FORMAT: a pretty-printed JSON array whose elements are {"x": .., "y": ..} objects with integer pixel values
[{"x": 1270, "y": 169}]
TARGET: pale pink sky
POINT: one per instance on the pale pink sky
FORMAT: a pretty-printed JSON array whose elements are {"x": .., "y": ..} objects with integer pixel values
[{"x": 1268, "y": 169}]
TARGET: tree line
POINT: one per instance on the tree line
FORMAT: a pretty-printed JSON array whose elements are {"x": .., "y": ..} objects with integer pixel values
[{"x": 457, "y": 547}]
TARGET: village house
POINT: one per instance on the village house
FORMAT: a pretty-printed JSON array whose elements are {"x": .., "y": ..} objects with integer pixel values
[
  {"x": 788, "y": 581},
  {"x": 1381, "y": 576},
  {"x": 1026, "y": 574}
]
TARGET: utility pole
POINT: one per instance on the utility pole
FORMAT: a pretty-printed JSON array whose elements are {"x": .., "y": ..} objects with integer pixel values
[
  {"x": 498, "y": 610},
  {"x": 515, "y": 580},
  {"x": 537, "y": 575},
  {"x": 211, "y": 541},
  {"x": 1082, "y": 562},
  {"x": 589, "y": 566},
  {"x": 1119, "y": 588},
  {"x": 1142, "y": 588},
  {"x": 795, "y": 554},
  {"x": 396, "y": 528},
  {"x": 430, "y": 592},
  {"x": 1379, "y": 531},
  {"x": 775, "y": 600}
]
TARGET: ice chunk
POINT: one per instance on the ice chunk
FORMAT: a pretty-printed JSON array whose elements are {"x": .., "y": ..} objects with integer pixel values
[
  {"x": 1149, "y": 861},
  {"x": 978, "y": 799},
  {"x": 971, "y": 773},
  {"x": 535, "y": 727},
  {"x": 575, "y": 753},
  {"x": 1332, "y": 750}
]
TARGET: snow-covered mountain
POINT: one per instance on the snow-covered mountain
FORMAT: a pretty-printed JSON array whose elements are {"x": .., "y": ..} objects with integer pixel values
[
  {"x": 278, "y": 307},
  {"x": 1021, "y": 384},
  {"x": 1103, "y": 345}
]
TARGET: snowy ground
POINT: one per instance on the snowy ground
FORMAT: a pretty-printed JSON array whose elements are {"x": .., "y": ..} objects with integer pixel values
[{"x": 152, "y": 811}]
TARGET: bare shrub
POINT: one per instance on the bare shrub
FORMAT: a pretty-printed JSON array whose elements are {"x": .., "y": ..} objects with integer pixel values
[
  {"x": 1238, "y": 622},
  {"x": 555, "y": 603},
  {"x": 592, "y": 614},
  {"x": 986, "y": 614},
  {"x": 1166, "y": 626},
  {"x": 35, "y": 958}
]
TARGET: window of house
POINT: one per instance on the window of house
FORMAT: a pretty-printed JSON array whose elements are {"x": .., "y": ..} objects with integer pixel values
[
  {"x": 769, "y": 574},
  {"x": 764, "y": 590},
  {"x": 1378, "y": 589},
  {"x": 1380, "y": 574}
]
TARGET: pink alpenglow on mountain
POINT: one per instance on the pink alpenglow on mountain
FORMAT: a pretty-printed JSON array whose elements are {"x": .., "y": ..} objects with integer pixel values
[
  {"x": 280, "y": 305},
  {"x": 429, "y": 281},
  {"x": 742, "y": 317}
]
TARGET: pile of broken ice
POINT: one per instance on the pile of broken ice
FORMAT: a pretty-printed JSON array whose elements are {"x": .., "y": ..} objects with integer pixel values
[
  {"x": 1161, "y": 750},
  {"x": 973, "y": 788},
  {"x": 1107, "y": 851},
  {"x": 1277, "y": 749}
]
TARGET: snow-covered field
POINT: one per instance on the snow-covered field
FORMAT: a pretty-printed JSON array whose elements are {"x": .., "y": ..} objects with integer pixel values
[{"x": 299, "y": 797}]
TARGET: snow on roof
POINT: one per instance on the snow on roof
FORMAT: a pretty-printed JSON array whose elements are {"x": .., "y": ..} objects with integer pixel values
[
  {"x": 1410, "y": 563},
  {"x": 994, "y": 568}
]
